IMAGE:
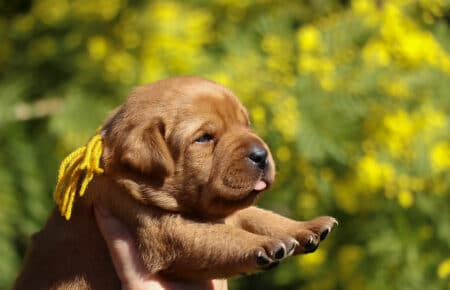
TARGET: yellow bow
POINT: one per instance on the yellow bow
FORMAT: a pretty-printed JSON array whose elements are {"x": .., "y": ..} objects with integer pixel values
[{"x": 78, "y": 166}]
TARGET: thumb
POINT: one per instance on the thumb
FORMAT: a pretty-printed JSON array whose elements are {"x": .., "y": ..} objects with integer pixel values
[{"x": 121, "y": 245}]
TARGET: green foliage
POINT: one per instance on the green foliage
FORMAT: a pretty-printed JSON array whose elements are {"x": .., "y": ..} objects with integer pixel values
[{"x": 352, "y": 97}]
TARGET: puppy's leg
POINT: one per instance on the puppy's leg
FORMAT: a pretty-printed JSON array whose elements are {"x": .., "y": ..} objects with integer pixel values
[
  {"x": 215, "y": 250},
  {"x": 178, "y": 247},
  {"x": 298, "y": 236}
]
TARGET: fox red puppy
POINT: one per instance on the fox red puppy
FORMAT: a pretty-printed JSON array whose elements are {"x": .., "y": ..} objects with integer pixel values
[{"x": 179, "y": 165}]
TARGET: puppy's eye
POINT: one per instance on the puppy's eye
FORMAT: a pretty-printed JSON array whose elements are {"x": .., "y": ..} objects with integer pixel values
[{"x": 204, "y": 138}]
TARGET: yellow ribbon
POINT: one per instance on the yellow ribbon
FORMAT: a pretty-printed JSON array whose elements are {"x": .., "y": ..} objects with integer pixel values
[{"x": 78, "y": 167}]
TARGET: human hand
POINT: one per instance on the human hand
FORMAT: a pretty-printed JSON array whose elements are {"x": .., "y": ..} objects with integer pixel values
[{"x": 129, "y": 266}]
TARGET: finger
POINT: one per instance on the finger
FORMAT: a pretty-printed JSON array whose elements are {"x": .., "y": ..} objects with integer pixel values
[
  {"x": 220, "y": 284},
  {"x": 184, "y": 285},
  {"x": 127, "y": 262}
]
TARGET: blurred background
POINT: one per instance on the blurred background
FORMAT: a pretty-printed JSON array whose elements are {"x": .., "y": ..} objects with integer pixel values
[{"x": 352, "y": 96}]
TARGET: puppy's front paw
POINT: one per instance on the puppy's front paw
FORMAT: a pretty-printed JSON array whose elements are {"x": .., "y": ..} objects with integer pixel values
[
  {"x": 269, "y": 254},
  {"x": 310, "y": 233}
]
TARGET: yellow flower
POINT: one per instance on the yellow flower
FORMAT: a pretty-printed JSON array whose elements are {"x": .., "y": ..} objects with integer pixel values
[
  {"x": 166, "y": 12},
  {"x": 405, "y": 198},
  {"x": 407, "y": 42},
  {"x": 400, "y": 124},
  {"x": 430, "y": 118},
  {"x": 367, "y": 10},
  {"x": 444, "y": 269},
  {"x": 308, "y": 38},
  {"x": 376, "y": 53},
  {"x": 308, "y": 64},
  {"x": 363, "y": 6},
  {"x": 373, "y": 173},
  {"x": 440, "y": 157},
  {"x": 225, "y": 79},
  {"x": 327, "y": 83},
  {"x": 287, "y": 118},
  {"x": 417, "y": 47},
  {"x": 97, "y": 47},
  {"x": 272, "y": 43},
  {"x": 120, "y": 66}
]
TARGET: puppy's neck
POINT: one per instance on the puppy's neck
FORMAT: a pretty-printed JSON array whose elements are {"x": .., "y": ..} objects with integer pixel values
[
  {"x": 150, "y": 196},
  {"x": 116, "y": 193}
]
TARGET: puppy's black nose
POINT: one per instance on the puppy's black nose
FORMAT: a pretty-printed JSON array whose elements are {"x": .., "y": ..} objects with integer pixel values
[{"x": 258, "y": 155}]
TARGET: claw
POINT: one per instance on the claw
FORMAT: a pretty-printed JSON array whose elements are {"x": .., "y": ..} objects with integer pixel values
[
  {"x": 295, "y": 244},
  {"x": 324, "y": 234},
  {"x": 279, "y": 254},
  {"x": 310, "y": 246},
  {"x": 262, "y": 259},
  {"x": 335, "y": 222}
]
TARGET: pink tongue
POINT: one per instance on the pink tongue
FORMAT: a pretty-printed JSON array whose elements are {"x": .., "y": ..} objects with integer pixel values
[{"x": 260, "y": 185}]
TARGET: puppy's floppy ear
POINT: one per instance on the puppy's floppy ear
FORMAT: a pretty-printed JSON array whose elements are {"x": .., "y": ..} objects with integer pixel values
[{"x": 146, "y": 151}]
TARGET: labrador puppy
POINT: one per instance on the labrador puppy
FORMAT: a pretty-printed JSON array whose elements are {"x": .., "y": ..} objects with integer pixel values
[{"x": 182, "y": 169}]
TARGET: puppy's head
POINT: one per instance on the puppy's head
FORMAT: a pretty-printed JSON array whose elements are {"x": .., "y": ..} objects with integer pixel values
[{"x": 184, "y": 144}]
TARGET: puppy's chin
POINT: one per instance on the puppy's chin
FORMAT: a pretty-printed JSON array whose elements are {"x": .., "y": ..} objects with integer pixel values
[
  {"x": 244, "y": 194},
  {"x": 222, "y": 202}
]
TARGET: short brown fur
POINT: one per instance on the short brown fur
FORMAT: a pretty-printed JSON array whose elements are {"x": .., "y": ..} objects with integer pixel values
[{"x": 188, "y": 203}]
